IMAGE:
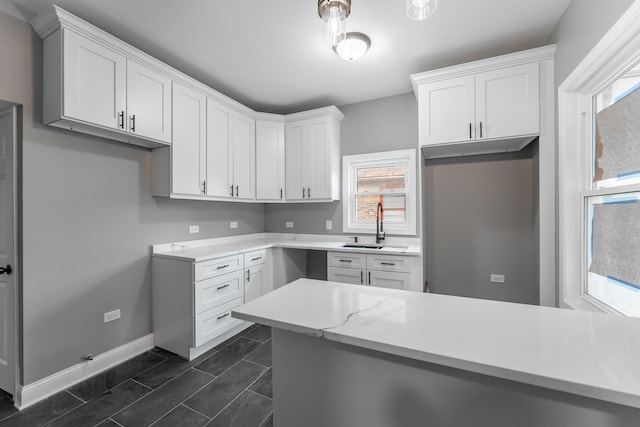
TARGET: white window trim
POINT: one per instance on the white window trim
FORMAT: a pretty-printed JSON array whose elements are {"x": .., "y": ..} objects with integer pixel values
[
  {"x": 609, "y": 59},
  {"x": 348, "y": 186}
]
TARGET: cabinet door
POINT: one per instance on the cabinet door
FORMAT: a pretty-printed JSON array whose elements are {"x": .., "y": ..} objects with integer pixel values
[
  {"x": 253, "y": 283},
  {"x": 387, "y": 279},
  {"x": 346, "y": 275},
  {"x": 317, "y": 159},
  {"x": 189, "y": 141},
  {"x": 446, "y": 111},
  {"x": 507, "y": 101},
  {"x": 270, "y": 160},
  {"x": 294, "y": 168},
  {"x": 219, "y": 122},
  {"x": 148, "y": 102},
  {"x": 95, "y": 82},
  {"x": 244, "y": 157}
]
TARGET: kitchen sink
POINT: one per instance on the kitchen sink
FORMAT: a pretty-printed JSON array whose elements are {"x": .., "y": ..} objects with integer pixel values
[{"x": 363, "y": 245}]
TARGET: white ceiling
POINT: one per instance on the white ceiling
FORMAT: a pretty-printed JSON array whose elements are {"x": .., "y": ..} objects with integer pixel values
[{"x": 270, "y": 54}]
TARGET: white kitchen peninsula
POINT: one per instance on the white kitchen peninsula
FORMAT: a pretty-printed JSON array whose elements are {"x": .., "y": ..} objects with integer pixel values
[{"x": 347, "y": 355}]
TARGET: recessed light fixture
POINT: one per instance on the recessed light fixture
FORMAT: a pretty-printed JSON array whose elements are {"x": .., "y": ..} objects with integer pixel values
[
  {"x": 353, "y": 47},
  {"x": 421, "y": 9}
]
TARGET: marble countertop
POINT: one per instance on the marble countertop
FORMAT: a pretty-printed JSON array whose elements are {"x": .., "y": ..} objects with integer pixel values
[
  {"x": 589, "y": 354},
  {"x": 197, "y": 251}
]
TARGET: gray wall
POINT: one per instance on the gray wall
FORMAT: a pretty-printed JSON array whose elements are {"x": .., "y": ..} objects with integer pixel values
[
  {"x": 88, "y": 220},
  {"x": 479, "y": 220},
  {"x": 581, "y": 27},
  {"x": 380, "y": 125}
]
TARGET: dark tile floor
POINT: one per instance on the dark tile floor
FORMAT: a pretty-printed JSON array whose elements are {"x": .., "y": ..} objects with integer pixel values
[{"x": 228, "y": 386}]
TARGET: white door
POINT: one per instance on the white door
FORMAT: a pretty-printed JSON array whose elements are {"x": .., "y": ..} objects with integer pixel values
[
  {"x": 7, "y": 250},
  {"x": 447, "y": 111},
  {"x": 253, "y": 283},
  {"x": 244, "y": 157},
  {"x": 508, "y": 102},
  {"x": 318, "y": 159},
  {"x": 295, "y": 169},
  {"x": 148, "y": 102},
  {"x": 189, "y": 141},
  {"x": 219, "y": 134},
  {"x": 95, "y": 82},
  {"x": 269, "y": 160}
]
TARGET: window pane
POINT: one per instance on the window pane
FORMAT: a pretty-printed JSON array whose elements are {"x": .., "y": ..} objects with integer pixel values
[
  {"x": 394, "y": 206},
  {"x": 614, "y": 252},
  {"x": 617, "y": 132},
  {"x": 381, "y": 178}
]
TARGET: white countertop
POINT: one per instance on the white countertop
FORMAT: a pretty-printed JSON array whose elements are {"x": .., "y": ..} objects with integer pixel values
[
  {"x": 589, "y": 354},
  {"x": 203, "y": 250}
]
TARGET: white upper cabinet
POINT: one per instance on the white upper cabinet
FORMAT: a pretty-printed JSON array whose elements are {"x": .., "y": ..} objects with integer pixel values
[
  {"x": 487, "y": 100},
  {"x": 230, "y": 153},
  {"x": 94, "y": 88},
  {"x": 148, "y": 102},
  {"x": 188, "y": 150},
  {"x": 312, "y": 155},
  {"x": 270, "y": 159}
]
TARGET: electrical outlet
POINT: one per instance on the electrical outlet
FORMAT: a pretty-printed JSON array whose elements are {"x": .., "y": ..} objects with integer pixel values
[
  {"x": 329, "y": 224},
  {"x": 111, "y": 316},
  {"x": 234, "y": 224},
  {"x": 288, "y": 224},
  {"x": 193, "y": 229},
  {"x": 497, "y": 278}
]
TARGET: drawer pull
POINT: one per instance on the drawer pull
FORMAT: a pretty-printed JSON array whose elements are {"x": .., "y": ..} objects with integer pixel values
[
  {"x": 223, "y": 266},
  {"x": 388, "y": 263},
  {"x": 345, "y": 260},
  {"x": 223, "y": 316},
  {"x": 256, "y": 258},
  {"x": 222, "y": 287}
]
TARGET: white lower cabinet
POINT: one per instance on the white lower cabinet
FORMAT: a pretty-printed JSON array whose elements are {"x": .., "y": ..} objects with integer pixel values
[
  {"x": 384, "y": 271},
  {"x": 192, "y": 303},
  {"x": 253, "y": 276}
]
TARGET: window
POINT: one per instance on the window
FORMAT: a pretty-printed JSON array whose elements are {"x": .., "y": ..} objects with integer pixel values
[
  {"x": 599, "y": 175},
  {"x": 612, "y": 223},
  {"x": 387, "y": 179}
]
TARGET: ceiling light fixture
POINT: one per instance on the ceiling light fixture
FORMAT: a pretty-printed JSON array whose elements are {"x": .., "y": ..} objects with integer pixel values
[
  {"x": 334, "y": 13},
  {"x": 353, "y": 46},
  {"x": 421, "y": 9}
]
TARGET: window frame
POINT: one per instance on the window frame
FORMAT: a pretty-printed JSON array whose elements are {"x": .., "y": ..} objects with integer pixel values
[
  {"x": 351, "y": 163},
  {"x": 608, "y": 61}
]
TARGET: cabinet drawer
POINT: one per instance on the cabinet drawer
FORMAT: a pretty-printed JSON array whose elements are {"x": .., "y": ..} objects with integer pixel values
[
  {"x": 212, "y": 292},
  {"x": 389, "y": 263},
  {"x": 216, "y": 321},
  {"x": 217, "y": 267},
  {"x": 254, "y": 258},
  {"x": 346, "y": 260}
]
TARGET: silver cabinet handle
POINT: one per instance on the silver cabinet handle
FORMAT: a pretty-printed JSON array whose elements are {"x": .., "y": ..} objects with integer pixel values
[
  {"x": 237, "y": 191},
  {"x": 222, "y": 266},
  {"x": 345, "y": 260},
  {"x": 256, "y": 258},
  {"x": 369, "y": 277},
  {"x": 231, "y": 190},
  {"x": 121, "y": 115},
  {"x": 223, "y": 316},
  {"x": 204, "y": 187},
  {"x": 480, "y": 129},
  {"x": 303, "y": 190},
  {"x": 361, "y": 277},
  {"x": 222, "y": 287},
  {"x": 470, "y": 131},
  {"x": 281, "y": 193},
  {"x": 387, "y": 263},
  {"x": 133, "y": 123},
  {"x": 309, "y": 192},
  {"x": 248, "y": 275}
]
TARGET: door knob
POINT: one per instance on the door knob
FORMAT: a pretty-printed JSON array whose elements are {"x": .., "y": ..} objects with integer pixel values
[{"x": 6, "y": 270}]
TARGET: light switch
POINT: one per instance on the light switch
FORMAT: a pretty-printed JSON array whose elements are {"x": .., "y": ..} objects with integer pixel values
[
  {"x": 329, "y": 224},
  {"x": 288, "y": 224},
  {"x": 497, "y": 278}
]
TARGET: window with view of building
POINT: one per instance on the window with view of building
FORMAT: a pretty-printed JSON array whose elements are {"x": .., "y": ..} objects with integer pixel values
[{"x": 387, "y": 179}]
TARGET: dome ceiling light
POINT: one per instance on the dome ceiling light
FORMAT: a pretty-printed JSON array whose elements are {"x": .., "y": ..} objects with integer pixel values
[{"x": 353, "y": 47}]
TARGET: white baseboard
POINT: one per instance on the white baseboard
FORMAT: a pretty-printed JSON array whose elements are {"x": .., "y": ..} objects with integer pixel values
[{"x": 32, "y": 393}]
